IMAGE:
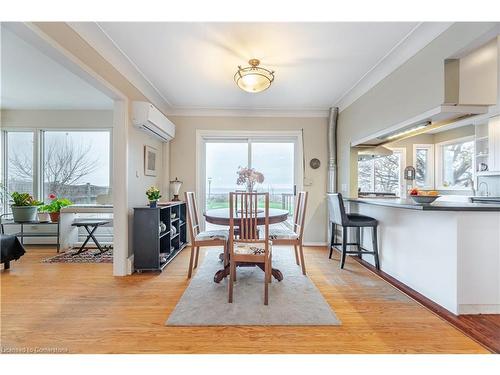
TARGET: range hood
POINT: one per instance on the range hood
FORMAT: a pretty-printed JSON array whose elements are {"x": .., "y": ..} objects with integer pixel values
[
  {"x": 429, "y": 120},
  {"x": 469, "y": 88}
]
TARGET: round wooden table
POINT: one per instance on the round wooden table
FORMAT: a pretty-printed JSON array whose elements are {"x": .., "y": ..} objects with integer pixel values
[{"x": 220, "y": 216}]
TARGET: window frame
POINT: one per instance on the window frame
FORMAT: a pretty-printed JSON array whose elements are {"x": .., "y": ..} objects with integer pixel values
[
  {"x": 439, "y": 162},
  {"x": 402, "y": 166},
  {"x": 431, "y": 165},
  {"x": 38, "y": 154}
]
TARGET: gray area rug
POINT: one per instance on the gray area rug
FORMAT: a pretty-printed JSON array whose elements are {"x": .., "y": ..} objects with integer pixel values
[{"x": 293, "y": 301}]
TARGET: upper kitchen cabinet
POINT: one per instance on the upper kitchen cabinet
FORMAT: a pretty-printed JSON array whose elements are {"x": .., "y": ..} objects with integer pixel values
[{"x": 488, "y": 147}]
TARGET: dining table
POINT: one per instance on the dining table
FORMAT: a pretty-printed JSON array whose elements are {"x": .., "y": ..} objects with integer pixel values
[{"x": 221, "y": 216}]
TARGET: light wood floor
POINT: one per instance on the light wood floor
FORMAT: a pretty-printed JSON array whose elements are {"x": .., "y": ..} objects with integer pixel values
[{"x": 81, "y": 308}]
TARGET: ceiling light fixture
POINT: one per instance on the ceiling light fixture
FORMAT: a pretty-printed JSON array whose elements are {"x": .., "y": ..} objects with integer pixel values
[{"x": 253, "y": 78}]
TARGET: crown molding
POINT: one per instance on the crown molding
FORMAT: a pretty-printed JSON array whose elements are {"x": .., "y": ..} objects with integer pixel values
[
  {"x": 246, "y": 112},
  {"x": 95, "y": 36},
  {"x": 419, "y": 37}
]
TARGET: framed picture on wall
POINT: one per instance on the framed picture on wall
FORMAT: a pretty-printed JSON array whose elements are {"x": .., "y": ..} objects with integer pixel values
[{"x": 150, "y": 160}]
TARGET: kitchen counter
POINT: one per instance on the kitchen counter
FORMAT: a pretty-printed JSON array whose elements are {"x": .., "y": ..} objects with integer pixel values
[
  {"x": 447, "y": 251},
  {"x": 435, "y": 206}
]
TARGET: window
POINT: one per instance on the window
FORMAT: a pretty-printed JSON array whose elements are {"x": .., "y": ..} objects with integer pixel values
[
  {"x": 76, "y": 165},
  {"x": 18, "y": 173},
  {"x": 72, "y": 164},
  {"x": 382, "y": 174},
  {"x": 455, "y": 161},
  {"x": 423, "y": 160},
  {"x": 274, "y": 158}
]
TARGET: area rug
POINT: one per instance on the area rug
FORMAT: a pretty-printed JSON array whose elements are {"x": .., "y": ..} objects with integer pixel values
[
  {"x": 89, "y": 256},
  {"x": 293, "y": 301}
]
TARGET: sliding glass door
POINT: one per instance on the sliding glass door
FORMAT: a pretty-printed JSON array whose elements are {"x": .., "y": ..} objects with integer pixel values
[{"x": 275, "y": 157}]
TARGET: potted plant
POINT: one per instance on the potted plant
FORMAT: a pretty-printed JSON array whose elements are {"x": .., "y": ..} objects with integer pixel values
[
  {"x": 43, "y": 214},
  {"x": 153, "y": 194},
  {"x": 54, "y": 207},
  {"x": 24, "y": 207}
]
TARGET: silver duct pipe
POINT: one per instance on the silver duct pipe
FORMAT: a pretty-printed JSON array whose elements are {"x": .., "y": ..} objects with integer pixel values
[{"x": 332, "y": 149}]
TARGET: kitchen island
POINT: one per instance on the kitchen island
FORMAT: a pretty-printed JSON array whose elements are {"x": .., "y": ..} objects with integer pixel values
[{"x": 447, "y": 251}]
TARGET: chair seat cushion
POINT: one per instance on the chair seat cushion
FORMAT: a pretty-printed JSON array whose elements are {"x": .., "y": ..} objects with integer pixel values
[
  {"x": 245, "y": 248},
  {"x": 357, "y": 220},
  {"x": 213, "y": 235},
  {"x": 282, "y": 234}
]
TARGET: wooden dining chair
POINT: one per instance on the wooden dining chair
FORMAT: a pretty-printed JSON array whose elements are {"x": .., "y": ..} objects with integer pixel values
[
  {"x": 202, "y": 238},
  {"x": 285, "y": 236},
  {"x": 247, "y": 247}
]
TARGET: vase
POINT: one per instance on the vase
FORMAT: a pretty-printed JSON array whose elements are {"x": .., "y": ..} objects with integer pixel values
[
  {"x": 43, "y": 217},
  {"x": 153, "y": 204},
  {"x": 24, "y": 213},
  {"x": 250, "y": 187},
  {"x": 54, "y": 216}
]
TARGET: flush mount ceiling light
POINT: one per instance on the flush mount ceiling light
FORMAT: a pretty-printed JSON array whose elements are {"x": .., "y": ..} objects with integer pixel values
[{"x": 253, "y": 78}]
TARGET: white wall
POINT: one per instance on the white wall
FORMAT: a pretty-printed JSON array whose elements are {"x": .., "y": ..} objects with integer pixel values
[
  {"x": 138, "y": 182},
  {"x": 415, "y": 87},
  {"x": 183, "y": 157}
]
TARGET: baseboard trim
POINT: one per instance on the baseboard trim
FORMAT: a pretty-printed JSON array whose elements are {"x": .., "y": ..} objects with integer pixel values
[
  {"x": 130, "y": 265},
  {"x": 478, "y": 309},
  {"x": 476, "y": 333}
]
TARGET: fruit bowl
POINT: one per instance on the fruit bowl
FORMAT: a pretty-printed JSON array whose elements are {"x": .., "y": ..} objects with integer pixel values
[{"x": 424, "y": 199}]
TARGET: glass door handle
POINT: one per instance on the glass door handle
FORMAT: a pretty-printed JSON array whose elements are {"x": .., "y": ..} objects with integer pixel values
[{"x": 294, "y": 190}]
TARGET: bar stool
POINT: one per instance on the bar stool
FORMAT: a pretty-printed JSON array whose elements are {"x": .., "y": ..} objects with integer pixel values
[{"x": 338, "y": 216}]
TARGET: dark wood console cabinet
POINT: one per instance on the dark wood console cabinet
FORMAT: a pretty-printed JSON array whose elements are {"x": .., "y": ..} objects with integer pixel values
[{"x": 155, "y": 248}]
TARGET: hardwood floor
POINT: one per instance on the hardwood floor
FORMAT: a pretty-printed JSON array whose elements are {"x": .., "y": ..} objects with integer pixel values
[{"x": 81, "y": 308}]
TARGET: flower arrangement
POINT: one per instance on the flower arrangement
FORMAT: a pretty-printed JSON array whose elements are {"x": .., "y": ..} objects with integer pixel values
[
  {"x": 249, "y": 177},
  {"x": 153, "y": 194}
]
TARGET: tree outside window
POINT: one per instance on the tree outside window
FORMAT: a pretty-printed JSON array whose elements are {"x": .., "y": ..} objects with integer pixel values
[
  {"x": 381, "y": 174},
  {"x": 456, "y": 164}
]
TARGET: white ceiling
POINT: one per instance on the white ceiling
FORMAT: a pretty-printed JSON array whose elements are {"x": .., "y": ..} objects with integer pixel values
[
  {"x": 32, "y": 80},
  {"x": 192, "y": 65}
]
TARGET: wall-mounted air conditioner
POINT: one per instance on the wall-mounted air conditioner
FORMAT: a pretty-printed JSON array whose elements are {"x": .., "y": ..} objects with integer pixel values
[{"x": 147, "y": 117}]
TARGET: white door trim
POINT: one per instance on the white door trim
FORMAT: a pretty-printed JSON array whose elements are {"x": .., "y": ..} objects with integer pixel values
[{"x": 201, "y": 135}]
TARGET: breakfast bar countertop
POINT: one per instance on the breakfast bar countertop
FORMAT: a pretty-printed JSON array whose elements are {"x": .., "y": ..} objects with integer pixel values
[{"x": 435, "y": 206}]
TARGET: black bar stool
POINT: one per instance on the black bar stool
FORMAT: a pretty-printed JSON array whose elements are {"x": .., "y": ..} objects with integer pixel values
[{"x": 338, "y": 216}]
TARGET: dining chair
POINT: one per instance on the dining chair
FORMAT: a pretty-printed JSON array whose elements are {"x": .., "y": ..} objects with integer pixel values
[
  {"x": 284, "y": 236},
  {"x": 248, "y": 247},
  {"x": 202, "y": 238}
]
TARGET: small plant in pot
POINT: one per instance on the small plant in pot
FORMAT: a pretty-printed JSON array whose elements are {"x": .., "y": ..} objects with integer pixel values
[
  {"x": 24, "y": 207},
  {"x": 43, "y": 215},
  {"x": 54, "y": 207},
  {"x": 153, "y": 194}
]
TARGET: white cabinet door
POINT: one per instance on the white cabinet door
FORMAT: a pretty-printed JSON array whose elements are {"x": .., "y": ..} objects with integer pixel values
[{"x": 494, "y": 144}]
